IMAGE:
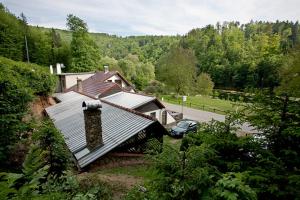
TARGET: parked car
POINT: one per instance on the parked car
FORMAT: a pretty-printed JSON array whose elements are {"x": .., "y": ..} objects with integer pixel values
[{"x": 183, "y": 127}]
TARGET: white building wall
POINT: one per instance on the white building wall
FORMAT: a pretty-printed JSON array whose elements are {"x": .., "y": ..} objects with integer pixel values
[
  {"x": 159, "y": 112},
  {"x": 116, "y": 77},
  {"x": 71, "y": 80},
  {"x": 170, "y": 119}
]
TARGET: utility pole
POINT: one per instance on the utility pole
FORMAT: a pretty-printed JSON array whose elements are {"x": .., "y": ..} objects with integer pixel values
[
  {"x": 183, "y": 100},
  {"x": 182, "y": 106},
  {"x": 25, "y": 26},
  {"x": 27, "y": 53}
]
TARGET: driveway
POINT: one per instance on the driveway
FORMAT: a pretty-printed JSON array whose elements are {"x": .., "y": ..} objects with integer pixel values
[{"x": 203, "y": 116}]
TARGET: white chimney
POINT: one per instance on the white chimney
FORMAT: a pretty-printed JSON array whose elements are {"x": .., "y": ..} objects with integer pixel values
[
  {"x": 58, "y": 68},
  {"x": 51, "y": 69},
  {"x": 106, "y": 70}
]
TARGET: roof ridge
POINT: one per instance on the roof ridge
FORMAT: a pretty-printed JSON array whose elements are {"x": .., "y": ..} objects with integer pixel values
[
  {"x": 154, "y": 97},
  {"x": 129, "y": 110},
  {"x": 142, "y": 94},
  {"x": 120, "y": 107},
  {"x": 110, "y": 88},
  {"x": 112, "y": 94},
  {"x": 84, "y": 94}
]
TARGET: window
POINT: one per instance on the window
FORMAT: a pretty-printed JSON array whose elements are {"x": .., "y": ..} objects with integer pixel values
[
  {"x": 119, "y": 82},
  {"x": 193, "y": 124},
  {"x": 153, "y": 114}
]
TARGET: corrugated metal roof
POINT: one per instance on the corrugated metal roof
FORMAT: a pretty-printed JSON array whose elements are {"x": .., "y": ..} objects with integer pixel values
[
  {"x": 128, "y": 100},
  {"x": 118, "y": 125}
]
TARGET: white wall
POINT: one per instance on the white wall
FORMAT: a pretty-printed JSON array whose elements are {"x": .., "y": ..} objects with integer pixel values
[
  {"x": 159, "y": 112},
  {"x": 71, "y": 80},
  {"x": 116, "y": 77},
  {"x": 170, "y": 119}
]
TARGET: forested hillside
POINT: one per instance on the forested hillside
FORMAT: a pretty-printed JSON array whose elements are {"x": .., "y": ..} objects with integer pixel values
[
  {"x": 235, "y": 56},
  {"x": 243, "y": 55},
  {"x": 213, "y": 163},
  {"x": 148, "y": 48}
]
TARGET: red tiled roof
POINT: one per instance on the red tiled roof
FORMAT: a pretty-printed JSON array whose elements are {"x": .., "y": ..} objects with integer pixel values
[
  {"x": 101, "y": 76},
  {"x": 95, "y": 88},
  {"x": 95, "y": 84}
]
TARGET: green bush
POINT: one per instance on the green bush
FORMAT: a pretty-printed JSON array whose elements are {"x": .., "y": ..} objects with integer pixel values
[
  {"x": 156, "y": 87},
  {"x": 19, "y": 82},
  {"x": 51, "y": 140},
  {"x": 34, "y": 78},
  {"x": 215, "y": 163},
  {"x": 34, "y": 183}
]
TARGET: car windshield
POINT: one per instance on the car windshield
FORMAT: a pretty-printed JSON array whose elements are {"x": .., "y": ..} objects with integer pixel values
[{"x": 183, "y": 125}]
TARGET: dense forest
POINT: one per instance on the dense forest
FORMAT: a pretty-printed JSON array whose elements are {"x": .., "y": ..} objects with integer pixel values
[
  {"x": 213, "y": 163},
  {"x": 235, "y": 56}
]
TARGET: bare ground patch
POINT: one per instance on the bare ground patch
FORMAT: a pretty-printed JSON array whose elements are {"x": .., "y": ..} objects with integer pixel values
[{"x": 119, "y": 183}]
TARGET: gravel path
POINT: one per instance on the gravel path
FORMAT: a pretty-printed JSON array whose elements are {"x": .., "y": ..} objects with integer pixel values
[{"x": 203, "y": 116}]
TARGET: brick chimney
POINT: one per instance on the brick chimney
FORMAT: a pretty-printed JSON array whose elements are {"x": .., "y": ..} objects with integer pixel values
[
  {"x": 79, "y": 85},
  {"x": 93, "y": 125},
  {"x": 106, "y": 70}
]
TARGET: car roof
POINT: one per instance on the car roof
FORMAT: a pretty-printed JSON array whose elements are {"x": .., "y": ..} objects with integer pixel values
[{"x": 188, "y": 121}]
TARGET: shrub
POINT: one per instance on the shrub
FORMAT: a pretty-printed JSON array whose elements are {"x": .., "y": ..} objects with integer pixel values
[
  {"x": 155, "y": 87},
  {"x": 51, "y": 140},
  {"x": 19, "y": 82}
]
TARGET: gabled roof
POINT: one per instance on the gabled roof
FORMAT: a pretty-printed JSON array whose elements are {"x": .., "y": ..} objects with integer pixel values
[
  {"x": 75, "y": 73},
  {"x": 96, "y": 85},
  {"x": 131, "y": 100},
  {"x": 118, "y": 125},
  {"x": 95, "y": 88}
]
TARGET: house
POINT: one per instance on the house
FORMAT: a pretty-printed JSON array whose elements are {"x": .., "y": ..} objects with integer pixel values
[
  {"x": 113, "y": 87},
  {"x": 95, "y": 89},
  {"x": 68, "y": 81},
  {"x": 145, "y": 104},
  {"x": 91, "y": 128}
]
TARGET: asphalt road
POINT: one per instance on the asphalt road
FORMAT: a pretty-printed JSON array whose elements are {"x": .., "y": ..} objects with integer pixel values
[{"x": 203, "y": 116}]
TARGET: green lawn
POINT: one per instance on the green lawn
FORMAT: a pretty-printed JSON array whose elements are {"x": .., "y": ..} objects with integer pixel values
[{"x": 203, "y": 103}]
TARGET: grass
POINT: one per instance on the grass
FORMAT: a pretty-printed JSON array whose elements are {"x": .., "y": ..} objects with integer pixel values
[
  {"x": 145, "y": 170},
  {"x": 203, "y": 103},
  {"x": 172, "y": 141}
]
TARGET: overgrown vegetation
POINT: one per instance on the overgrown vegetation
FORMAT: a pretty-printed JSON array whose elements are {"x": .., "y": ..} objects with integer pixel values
[
  {"x": 44, "y": 48},
  {"x": 19, "y": 82},
  {"x": 216, "y": 164},
  {"x": 44, "y": 173},
  {"x": 36, "y": 182},
  {"x": 234, "y": 55},
  {"x": 211, "y": 164}
]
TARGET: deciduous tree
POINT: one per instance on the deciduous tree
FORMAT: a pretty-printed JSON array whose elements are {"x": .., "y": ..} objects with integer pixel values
[
  {"x": 204, "y": 84},
  {"x": 177, "y": 69},
  {"x": 85, "y": 53}
]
